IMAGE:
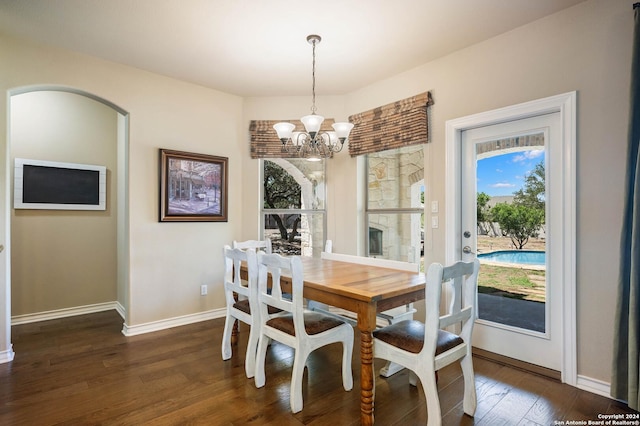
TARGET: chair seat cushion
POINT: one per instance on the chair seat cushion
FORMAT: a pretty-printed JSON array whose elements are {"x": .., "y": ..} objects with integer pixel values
[
  {"x": 314, "y": 323},
  {"x": 409, "y": 336},
  {"x": 243, "y": 305}
]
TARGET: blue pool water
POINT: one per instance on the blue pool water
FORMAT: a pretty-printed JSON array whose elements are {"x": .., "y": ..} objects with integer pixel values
[{"x": 515, "y": 256}]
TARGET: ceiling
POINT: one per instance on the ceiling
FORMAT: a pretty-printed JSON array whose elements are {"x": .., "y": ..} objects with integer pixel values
[{"x": 259, "y": 47}]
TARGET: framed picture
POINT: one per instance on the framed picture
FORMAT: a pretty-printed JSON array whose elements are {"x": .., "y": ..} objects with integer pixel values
[{"x": 193, "y": 187}]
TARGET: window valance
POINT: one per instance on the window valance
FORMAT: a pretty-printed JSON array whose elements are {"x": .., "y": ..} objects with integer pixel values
[
  {"x": 265, "y": 142},
  {"x": 395, "y": 125}
]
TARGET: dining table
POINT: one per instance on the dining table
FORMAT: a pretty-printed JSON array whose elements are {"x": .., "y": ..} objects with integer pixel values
[{"x": 364, "y": 290}]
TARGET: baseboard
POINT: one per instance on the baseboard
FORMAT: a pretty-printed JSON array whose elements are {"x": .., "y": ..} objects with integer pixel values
[
  {"x": 133, "y": 330},
  {"x": 585, "y": 383},
  {"x": 126, "y": 329},
  {"x": 596, "y": 386},
  {"x": 515, "y": 363},
  {"x": 7, "y": 356},
  {"x": 66, "y": 312},
  {"x": 121, "y": 310}
]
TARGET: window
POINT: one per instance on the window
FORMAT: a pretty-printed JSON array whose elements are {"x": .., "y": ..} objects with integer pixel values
[
  {"x": 395, "y": 204},
  {"x": 293, "y": 209}
]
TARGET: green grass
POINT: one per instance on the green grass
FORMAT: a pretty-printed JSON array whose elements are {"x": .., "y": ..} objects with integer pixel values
[{"x": 516, "y": 283}]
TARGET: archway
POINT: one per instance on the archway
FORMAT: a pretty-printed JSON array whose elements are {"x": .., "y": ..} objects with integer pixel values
[{"x": 120, "y": 175}]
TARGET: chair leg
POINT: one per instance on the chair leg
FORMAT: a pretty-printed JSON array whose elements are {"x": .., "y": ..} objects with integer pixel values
[
  {"x": 347, "y": 374},
  {"x": 295, "y": 398},
  {"x": 260, "y": 360},
  {"x": 226, "y": 337},
  {"x": 470, "y": 399},
  {"x": 252, "y": 346},
  {"x": 434, "y": 415}
]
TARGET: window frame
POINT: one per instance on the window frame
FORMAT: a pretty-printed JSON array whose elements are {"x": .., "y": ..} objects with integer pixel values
[
  {"x": 264, "y": 212},
  {"x": 368, "y": 211}
]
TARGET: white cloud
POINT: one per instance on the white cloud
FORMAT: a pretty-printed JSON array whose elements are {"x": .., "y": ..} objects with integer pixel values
[
  {"x": 502, "y": 185},
  {"x": 528, "y": 155}
]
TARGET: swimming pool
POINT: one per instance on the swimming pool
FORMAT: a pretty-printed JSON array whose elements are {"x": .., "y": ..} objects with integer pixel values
[{"x": 515, "y": 256}]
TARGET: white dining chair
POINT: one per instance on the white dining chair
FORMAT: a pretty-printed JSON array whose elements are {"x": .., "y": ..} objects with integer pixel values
[
  {"x": 426, "y": 347},
  {"x": 298, "y": 328},
  {"x": 314, "y": 305},
  {"x": 242, "y": 302}
]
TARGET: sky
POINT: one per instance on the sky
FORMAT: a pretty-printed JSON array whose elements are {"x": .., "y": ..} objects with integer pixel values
[{"x": 504, "y": 174}]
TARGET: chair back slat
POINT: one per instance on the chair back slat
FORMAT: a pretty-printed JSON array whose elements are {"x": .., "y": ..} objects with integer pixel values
[
  {"x": 456, "y": 318},
  {"x": 458, "y": 269},
  {"x": 233, "y": 259},
  {"x": 264, "y": 245}
]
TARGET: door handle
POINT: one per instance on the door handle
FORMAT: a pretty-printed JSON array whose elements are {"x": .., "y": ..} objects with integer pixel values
[{"x": 467, "y": 250}]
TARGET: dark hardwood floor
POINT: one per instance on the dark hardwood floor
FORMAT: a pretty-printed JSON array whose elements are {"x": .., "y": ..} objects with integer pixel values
[{"x": 82, "y": 371}]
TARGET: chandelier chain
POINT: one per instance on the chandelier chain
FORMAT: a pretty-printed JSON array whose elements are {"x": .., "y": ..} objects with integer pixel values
[{"x": 313, "y": 79}]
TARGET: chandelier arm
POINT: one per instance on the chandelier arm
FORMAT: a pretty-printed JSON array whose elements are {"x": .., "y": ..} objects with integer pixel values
[
  {"x": 325, "y": 149},
  {"x": 293, "y": 144},
  {"x": 328, "y": 147}
]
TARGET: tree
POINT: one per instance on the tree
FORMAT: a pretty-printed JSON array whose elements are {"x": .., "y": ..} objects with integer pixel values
[
  {"x": 518, "y": 222},
  {"x": 532, "y": 194},
  {"x": 523, "y": 218},
  {"x": 483, "y": 212},
  {"x": 281, "y": 191}
]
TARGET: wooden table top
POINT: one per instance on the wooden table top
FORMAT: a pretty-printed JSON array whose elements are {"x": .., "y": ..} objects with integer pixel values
[{"x": 362, "y": 282}]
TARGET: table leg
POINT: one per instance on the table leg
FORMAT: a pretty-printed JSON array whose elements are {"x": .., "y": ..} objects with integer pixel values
[
  {"x": 366, "y": 325},
  {"x": 367, "y": 383}
]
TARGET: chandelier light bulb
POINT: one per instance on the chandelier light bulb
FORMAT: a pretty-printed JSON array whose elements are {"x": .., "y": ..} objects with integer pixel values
[
  {"x": 312, "y": 123},
  {"x": 342, "y": 130},
  {"x": 284, "y": 130}
]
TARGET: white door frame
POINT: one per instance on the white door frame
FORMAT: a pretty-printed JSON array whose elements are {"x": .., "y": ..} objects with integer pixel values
[{"x": 566, "y": 105}]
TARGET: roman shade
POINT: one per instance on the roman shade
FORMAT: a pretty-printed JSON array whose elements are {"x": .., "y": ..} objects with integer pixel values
[
  {"x": 394, "y": 125},
  {"x": 265, "y": 142}
]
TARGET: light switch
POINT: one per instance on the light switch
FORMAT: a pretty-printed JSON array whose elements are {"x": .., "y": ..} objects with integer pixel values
[
  {"x": 434, "y": 221},
  {"x": 434, "y": 207}
]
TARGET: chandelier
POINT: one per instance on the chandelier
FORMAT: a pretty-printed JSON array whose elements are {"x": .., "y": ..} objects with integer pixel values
[{"x": 313, "y": 144}]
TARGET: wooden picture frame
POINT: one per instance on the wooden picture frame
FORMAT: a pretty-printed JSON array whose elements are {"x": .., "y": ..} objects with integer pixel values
[{"x": 193, "y": 187}]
